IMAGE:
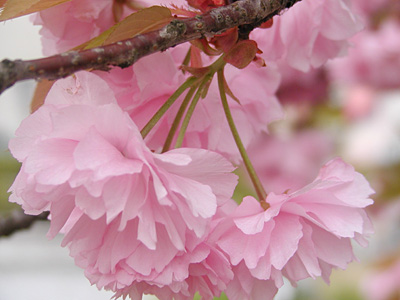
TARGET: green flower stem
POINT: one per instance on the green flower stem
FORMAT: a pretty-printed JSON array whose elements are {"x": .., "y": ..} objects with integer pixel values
[
  {"x": 158, "y": 115},
  {"x": 262, "y": 195},
  {"x": 178, "y": 118},
  {"x": 190, "y": 111}
]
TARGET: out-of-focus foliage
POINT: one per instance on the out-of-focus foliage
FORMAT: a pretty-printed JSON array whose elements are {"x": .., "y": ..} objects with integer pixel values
[{"x": 8, "y": 170}]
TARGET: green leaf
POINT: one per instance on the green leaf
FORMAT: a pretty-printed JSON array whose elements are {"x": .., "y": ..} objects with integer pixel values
[
  {"x": 10, "y": 9},
  {"x": 8, "y": 170},
  {"x": 145, "y": 20}
]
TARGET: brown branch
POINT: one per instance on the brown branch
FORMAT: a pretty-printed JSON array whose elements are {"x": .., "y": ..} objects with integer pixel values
[
  {"x": 127, "y": 52},
  {"x": 17, "y": 220}
]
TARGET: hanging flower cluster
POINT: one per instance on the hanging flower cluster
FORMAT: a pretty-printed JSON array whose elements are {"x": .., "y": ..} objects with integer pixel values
[{"x": 135, "y": 165}]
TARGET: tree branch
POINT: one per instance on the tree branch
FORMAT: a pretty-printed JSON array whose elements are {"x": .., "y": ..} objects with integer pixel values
[
  {"x": 17, "y": 221},
  {"x": 127, "y": 52}
]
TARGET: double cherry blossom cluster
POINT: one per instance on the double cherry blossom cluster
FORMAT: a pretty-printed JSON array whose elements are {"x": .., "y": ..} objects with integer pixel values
[{"x": 145, "y": 209}]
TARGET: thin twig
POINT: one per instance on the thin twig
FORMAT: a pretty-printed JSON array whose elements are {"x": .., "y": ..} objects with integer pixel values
[
  {"x": 17, "y": 220},
  {"x": 127, "y": 52}
]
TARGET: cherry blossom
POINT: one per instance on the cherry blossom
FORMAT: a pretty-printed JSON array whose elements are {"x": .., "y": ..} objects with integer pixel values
[
  {"x": 84, "y": 160},
  {"x": 374, "y": 59},
  {"x": 304, "y": 233}
]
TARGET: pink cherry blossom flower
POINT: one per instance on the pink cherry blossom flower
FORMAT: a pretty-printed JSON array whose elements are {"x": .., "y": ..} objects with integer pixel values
[
  {"x": 129, "y": 215},
  {"x": 305, "y": 233},
  {"x": 116, "y": 260},
  {"x": 309, "y": 33}
]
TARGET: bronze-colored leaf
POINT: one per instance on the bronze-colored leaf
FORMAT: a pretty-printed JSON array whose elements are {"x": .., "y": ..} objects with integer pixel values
[
  {"x": 15, "y": 8},
  {"x": 145, "y": 20},
  {"x": 42, "y": 89}
]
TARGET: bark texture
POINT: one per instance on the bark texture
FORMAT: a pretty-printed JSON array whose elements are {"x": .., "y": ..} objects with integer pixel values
[{"x": 127, "y": 52}]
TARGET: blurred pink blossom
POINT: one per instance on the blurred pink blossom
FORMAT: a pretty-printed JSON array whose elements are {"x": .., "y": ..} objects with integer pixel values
[
  {"x": 373, "y": 60},
  {"x": 301, "y": 88},
  {"x": 367, "y": 9},
  {"x": 359, "y": 101},
  {"x": 384, "y": 284}
]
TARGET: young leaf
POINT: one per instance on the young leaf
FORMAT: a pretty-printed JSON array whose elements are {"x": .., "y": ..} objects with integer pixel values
[
  {"x": 42, "y": 89},
  {"x": 10, "y": 9},
  {"x": 145, "y": 20},
  {"x": 242, "y": 54}
]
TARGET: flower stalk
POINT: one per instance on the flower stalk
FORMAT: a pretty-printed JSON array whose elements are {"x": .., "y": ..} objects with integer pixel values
[
  {"x": 261, "y": 193},
  {"x": 163, "y": 109}
]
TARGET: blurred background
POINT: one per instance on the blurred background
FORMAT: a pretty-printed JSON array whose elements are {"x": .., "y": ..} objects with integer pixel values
[{"x": 350, "y": 108}]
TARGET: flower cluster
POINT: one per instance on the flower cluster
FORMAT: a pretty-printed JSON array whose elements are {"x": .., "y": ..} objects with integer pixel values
[{"x": 137, "y": 174}]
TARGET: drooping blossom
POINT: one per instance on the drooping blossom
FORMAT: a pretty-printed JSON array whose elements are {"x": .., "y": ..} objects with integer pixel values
[
  {"x": 128, "y": 214},
  {"x": 304, "y": 233},
  {"x": 309, "y": 33}
]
